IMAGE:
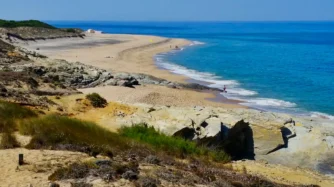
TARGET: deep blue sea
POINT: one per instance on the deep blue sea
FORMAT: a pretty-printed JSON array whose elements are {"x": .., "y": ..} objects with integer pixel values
[{"x": 276, "y": 66}]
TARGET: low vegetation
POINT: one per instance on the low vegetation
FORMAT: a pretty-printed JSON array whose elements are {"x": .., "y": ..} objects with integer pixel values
[
  {"x": 70, "y": 30},
  {"x": 96, "y": 100},
  {"x": 10, "y": 113},
  {"x": 60, "y": 132},
  {"x": 8, "y": 141},
  {"x": 171, "y": 145},
  {"x": 25, "y": 23}
]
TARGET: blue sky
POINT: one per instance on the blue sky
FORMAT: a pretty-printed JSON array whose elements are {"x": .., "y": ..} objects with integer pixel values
[{"x": 168, "y": 10}]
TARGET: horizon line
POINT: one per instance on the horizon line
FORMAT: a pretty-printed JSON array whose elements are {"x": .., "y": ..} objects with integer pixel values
[{"x": 87, "y": 20}]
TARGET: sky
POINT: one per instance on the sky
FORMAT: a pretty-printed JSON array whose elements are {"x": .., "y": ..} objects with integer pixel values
[{"x": 168, "y": 10}]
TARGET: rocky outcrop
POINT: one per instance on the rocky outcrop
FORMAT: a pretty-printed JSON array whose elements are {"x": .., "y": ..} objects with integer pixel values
[
  {"x": 272, "y": 137},
  {"x": 37, "y": 33}
]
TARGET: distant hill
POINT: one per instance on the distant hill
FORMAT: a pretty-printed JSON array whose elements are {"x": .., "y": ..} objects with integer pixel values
[{"x": 27, "y": 23}]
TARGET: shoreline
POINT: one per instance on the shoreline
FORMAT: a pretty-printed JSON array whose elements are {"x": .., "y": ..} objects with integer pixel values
[
  {"x": 247, "y": 104},
  {"x": 136, "y": 54},
  {"x": 132, "y": 54}
]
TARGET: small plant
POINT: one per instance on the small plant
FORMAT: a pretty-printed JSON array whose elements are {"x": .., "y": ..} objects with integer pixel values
[
  {"x": 74, "y": 171},
  {"x": 70, "y": 30},
  {"x": 8, "y": 141},
  {"x": 96, "y": 100}
]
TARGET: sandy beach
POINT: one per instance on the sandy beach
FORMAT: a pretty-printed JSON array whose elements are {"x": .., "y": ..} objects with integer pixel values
[{"x": 131, "y": 54}]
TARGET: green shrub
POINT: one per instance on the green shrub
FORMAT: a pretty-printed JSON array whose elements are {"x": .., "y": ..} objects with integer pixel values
[
  {"x": 8, "y": 141},
  {"x": 60, "y": 132},
  {"x": 10, "y": 112},
  {"x": 70, "y": 30},
  {"x": 26, "y": 23},
  {"x": 170, "y": 145},
  {"x": 74, "y": 171},
  {"x": 96, "y": 100}
]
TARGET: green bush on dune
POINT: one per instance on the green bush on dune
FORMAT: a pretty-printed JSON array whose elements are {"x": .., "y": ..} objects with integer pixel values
[
  {"x": 25, "y": 23},
  {"x": 96, "y": 100}
]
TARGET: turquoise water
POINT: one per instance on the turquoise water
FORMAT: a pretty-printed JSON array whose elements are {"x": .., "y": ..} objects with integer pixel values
[{"x": 276, "y": 66}]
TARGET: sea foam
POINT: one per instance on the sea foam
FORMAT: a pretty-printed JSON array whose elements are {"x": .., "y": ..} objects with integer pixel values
[{"x": 234, "y": 90}]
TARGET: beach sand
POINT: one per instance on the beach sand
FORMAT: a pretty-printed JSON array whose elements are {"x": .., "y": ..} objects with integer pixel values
[{"x": 132, "y": 54}]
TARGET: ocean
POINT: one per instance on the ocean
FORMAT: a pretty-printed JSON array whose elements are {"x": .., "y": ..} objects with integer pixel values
[{"x": 274, "y": 66}]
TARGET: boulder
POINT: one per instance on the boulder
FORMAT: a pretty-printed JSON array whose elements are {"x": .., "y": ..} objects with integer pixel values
[
  {"x": 130, "y": 175},
  {"x": 2, "y": 88},
  {"x": 188, "y": 133},
  {"x": 239, "y": 142},
  {"x": 266, "y": 140}
]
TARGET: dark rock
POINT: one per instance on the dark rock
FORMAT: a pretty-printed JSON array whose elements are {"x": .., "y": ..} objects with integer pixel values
[
  {"x": 130, "y": 175},
  {"x": 81, "y": 184},
  {"x": 32, "y": 82},
  {"x": 2, "y": 88},
  {"x": 187, "y": 133},
  {"x": 59, "y": 108},
  {"x": 151, "y": 159},
  {"x": 148, "y": 182},
  {"x": 239, "y": 142},
  {"x": 53, "y": 184},
  {"x": 103, "y": 162}
]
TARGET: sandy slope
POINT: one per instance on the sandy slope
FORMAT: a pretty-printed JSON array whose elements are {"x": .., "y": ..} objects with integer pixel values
[
  {"x": 40, "y": 164},
  {"x": 128, "y": 53}
]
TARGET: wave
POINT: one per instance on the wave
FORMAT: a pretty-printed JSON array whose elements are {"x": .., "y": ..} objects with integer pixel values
[
  {"x": 196, "y": 43},
  {"x": 269, "y": 102},
  {"x": 234, "y": 91},
  {"x": 322, "y": 115},
  {"x": 209, "y": 78}
]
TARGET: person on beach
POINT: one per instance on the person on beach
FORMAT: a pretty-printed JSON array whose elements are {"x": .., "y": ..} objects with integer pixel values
[{"x": 224, "y": 90}]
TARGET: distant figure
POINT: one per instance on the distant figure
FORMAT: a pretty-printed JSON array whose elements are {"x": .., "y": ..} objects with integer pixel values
[
  {"x": 224, "y": 90},
  {"x": 176, "y": 47}
]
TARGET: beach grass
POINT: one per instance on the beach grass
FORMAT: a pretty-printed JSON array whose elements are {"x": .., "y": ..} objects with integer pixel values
[
  {"x": 171, "y": 145},
  {"x": 61, "y": 132},
  {"x": 8, "y": 141},
  {"x": 10, "y": 113}
]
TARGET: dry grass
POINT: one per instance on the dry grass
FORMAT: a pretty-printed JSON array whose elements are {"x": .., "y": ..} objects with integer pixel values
[
  {"x": 59, "y": 132},
  {"x": 8, "y": 141},
  {"x": 10, "y": 113}
]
